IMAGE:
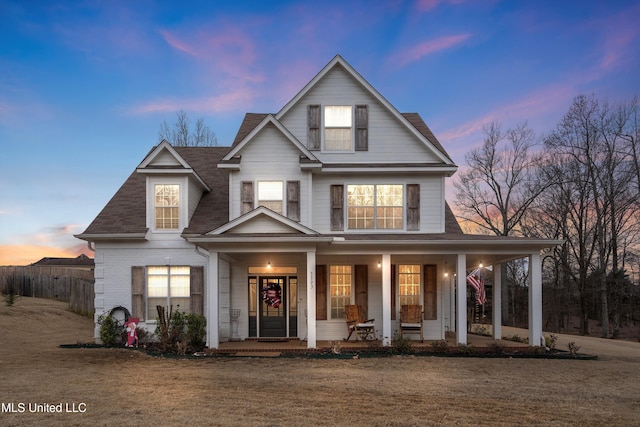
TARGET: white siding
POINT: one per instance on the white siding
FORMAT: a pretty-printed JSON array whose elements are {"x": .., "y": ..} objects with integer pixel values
[
  {"x": 431, "y": 199},
  {"x": 165, "y": 158},
  {"x": 115, "y": 261},
  {"x": 269, "y": 157},
  {"x": 263, "y": 224},
  {"x": 389, "y": 139}
]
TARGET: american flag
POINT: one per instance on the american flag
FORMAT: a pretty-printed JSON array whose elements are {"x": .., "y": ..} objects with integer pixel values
[{"x": 478, "y": 285}]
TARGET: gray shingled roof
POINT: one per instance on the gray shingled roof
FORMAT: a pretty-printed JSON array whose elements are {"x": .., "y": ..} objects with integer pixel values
[
  {"x": 421, "y": 126},
  {"x": 125, "y": 213},
  {"x": 251, "y": 120}
]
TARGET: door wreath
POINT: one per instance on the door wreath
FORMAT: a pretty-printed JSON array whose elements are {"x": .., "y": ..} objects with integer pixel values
[{"x": 272, "y": 294}]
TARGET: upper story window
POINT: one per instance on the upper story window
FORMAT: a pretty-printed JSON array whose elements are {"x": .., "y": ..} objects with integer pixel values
[
  {"x": 270, "y": 195},
  {"x": 375, "y": 206},
  {"x": 345, "y": 128},
  {"x": 167, "y": 202},
  {"x": 337, "y": 127}
]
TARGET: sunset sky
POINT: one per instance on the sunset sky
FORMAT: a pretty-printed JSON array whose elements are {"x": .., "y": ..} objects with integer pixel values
[{"x": 85, "y": 85}]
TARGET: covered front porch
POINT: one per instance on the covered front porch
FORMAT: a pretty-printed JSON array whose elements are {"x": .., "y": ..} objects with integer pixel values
[
  {"x": 269, "y": 347},
  {"x": 229, "y": 279}
]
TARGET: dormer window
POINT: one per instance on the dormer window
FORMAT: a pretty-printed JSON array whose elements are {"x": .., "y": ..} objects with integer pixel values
[
  {"x": 338, "y": 121},
  {"x": 167, "y": 202}
]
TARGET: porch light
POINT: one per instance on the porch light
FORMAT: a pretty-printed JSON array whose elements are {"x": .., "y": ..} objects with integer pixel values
[
  {"x": 268, "y": 264},
  {"x": 480, "y": 265},
  {"x": 379, "y": 264}
]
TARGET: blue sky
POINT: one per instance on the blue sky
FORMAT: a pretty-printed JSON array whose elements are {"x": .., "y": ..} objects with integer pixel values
[{"x": 85, "y": 85}]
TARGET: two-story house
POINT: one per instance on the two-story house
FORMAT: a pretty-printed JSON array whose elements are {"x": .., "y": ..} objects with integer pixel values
[{"x": 336, "y": 199}]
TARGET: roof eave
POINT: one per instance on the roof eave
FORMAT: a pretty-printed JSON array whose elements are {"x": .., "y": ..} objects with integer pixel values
[{"x": 89, "y": 237}]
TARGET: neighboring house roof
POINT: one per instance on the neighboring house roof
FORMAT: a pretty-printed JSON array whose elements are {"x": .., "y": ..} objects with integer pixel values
[{"x": 79, "y": 261}]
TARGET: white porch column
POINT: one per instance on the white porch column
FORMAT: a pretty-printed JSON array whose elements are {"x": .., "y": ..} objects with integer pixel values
[
  {"x": 213, "y": 327},
  {"x": 496, "y": 302},
  {"x": 535, "y": 300},
  {"x": 461, "y": 304},
  {"x": 386, "y": 300},
  {"x": 311, "y": 299}
]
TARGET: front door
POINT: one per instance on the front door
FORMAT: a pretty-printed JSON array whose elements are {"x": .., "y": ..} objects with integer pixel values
[{"x": 273, "y": 310}]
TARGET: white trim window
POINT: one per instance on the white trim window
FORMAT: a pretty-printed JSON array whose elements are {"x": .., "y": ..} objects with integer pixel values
[
  {"x": 409, "y": 284},
  {"x": 168, "y": 286},
  {"x": 167, "y": 206},
  {"x": 271, "y": 195},
  {"x": 378, "y": 206},
  {"x": 340, "y": 286},
  {"x": 338, "y": 124}
]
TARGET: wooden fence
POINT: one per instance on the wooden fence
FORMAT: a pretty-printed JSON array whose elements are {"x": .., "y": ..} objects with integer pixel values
[{"x": 63, "y": 284}]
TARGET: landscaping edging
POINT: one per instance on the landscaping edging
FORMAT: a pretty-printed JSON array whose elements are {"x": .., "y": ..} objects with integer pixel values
[{"x": 365, "y": 353}]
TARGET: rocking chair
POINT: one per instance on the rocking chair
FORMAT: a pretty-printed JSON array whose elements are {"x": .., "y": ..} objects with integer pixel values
[
  {"x": 411, "y": 320},
  {"x": 364, "y": 329}
]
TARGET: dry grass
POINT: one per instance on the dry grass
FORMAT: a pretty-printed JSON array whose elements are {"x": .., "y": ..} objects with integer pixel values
[{"x": 123, "y": 387}]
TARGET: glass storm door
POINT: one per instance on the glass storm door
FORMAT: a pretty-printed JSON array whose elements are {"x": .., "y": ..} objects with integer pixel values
[{"x": 273, "y": 310}]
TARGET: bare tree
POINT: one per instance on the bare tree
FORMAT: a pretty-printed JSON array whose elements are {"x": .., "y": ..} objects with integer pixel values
[
  {"x": 597, "y": 164},
  {"x": 182, "y": 136},
  {"x": 498, "y": 187}
]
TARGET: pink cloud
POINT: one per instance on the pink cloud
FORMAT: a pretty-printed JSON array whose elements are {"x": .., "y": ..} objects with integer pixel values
[
  {"x": 178, "y": 44},
  {"x": 535, "y": 107},
  {"x": 427, "y": 5},
  {"x": 237, "y": 100},
  {"x": 425, "y": 48}
]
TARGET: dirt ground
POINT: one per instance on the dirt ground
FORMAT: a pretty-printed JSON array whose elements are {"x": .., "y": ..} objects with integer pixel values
[{"x": 103, "y": 387}]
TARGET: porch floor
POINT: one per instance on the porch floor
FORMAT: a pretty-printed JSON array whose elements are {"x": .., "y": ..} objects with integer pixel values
[{"x": 274, "y": 348}]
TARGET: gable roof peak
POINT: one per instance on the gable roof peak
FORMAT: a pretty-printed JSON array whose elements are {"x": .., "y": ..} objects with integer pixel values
[{"x": 266, "y": 120}]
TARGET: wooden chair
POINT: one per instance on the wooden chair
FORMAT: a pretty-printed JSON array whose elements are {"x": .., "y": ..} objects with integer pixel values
[
  {"x": 364, "y": 329},
  {"x": 411, "y": 320}
]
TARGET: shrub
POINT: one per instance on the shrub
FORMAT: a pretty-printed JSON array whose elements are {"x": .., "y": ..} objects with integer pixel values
[
  {"x": 573, "y": 348},
  {"x": 439, "y": 347},
  {"x": 196, "y": 330},
  {"x": 516, "y": 338},
  {"x": 466, "y": 349},
  {"x": 550, "y": 341},
  {"x": 496, "y": 347},
  {"x": 401, "y": 345},
  {"x": 180, "y": 332},
  {"x": 111, "y": 331},
  {"x": 12, "y": 295}
]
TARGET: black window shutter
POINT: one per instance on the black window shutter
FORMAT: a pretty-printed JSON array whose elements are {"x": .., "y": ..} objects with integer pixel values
[
  {"x": 293, "y": 200},
  {"x": 197, "y": 290},
  {"x": 337, "y": 207},
  {"x": 430, "y": 292},
  {"x": 413, "y": 206},
  {"x": 246, "y": 198},
  {"x": 362, "y": 127},
  {"x": 313, "y": 123},
  {"x": 138, "y": 285}
]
